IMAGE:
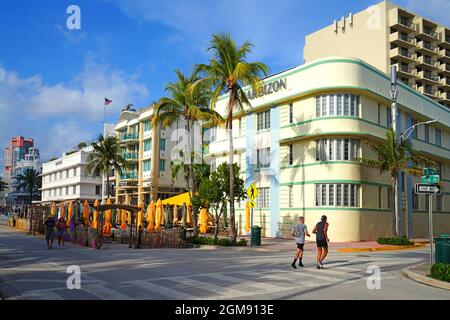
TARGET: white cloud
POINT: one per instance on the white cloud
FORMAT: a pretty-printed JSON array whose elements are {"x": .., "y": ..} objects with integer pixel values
[{"x": 58, "y": 116}]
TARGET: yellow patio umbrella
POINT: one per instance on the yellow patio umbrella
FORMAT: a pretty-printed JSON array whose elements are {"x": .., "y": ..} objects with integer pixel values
[
  {"x": 158, "y": 215},
  {"x": 163, "y": 214},
  {"x": 203, "y": 221},
  {"x": 139, "y": 217},
  {"x": 247, "y": 217},
  {"x": 53, "y": 209},
  {"x": 62, "y": 210},
  {"x": 86, "y": 212},
  {"x": 124, "y": 219},
  {"x": 70, "y": 212},
  {"x": 107, "y": 226},
  {"x": 175, "y": 214},
  {"x": 94, "y": 220},
  {"x": 151, "y": 216}
]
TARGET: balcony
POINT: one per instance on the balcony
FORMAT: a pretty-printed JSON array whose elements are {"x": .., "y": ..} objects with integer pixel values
[
  {"x": 129, "y": 136},
  {"x": 402, "y": 24},
  {"x": 405, "y": 71},
  {"x": 445, "y": 97},
  {"x": 445, "y": 55},
  {"x": 445, "y": 83},
  {"x": 402, "y": 40},
  {"x": 429, "y": 92},
  {"x": 445, "y": 38},
  {"x": 426, "y": 62},
  {"x": 427, "y": 48},
  {"x": 129, "y": 176},
  {"x": 427, "y": 33},
  {"x": 444, "y": 69},
  {"x": 133, "y": 156},
  {"x": 403, "y": 55},
  {"x": 428, "y": 77}
]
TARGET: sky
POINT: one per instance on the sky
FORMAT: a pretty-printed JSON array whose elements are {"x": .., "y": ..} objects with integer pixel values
[{"x": 53, "y": 80}]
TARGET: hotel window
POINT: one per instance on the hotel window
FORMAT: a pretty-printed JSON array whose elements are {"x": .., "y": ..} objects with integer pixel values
[
  {"x": 337, "y": 195},
  {"x": 415, "y": 200},
  {"x": 427, "y": 133},
  {"x": 390, "y": 198},
  {"x": 213, "y": 164},
  {"x": 263, "y": 158},
  {"x": 291, "y": 155},
  {"x": 213, "y": 134},
  {"x": 379, "y": 111},
  {"x": 263, "y": 199},
  {"x": 74, "y": 189},
  {"x": 67, "y": 191},
  {"x": 162, "y": 144},
  {"x": 337, "y": 149},
  {"x": 263, "y": 120},
  {"x": 147, "y": 145},
  {"x": 240, "y": 126},
  {"x": 291, "y": 196},
  {"x": 291, "y": 113},
  {"x": 337, "y": 105},
  {"x": 438, "y": 202},
  {"x": 98, "y": 190},
  {"x": 388, "y": 118},
  {"x": 414, "y": 132},
  {"x": 147, "y": 126},
  {"x": 162, "y": 165},
  {"x": 438, "y": 137},
  {"x": 146, "y": 164}
]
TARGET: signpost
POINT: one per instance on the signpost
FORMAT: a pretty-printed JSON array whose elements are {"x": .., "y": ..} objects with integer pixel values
[
  {"x": 252, "y": 193},
  {"x": 430, "y": 186}
]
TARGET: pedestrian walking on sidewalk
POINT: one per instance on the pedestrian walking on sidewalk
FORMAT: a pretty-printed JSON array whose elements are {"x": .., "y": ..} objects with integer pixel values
[
  {"x": 299, "y": 232},
  {"x": 61, "y": 227},
  {"x": 320, "y": 230},
  {"x": 49, "y": 231}
]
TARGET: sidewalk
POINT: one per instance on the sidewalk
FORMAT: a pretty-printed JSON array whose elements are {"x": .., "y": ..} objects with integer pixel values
[
  {"x": 271, "y": 244},
  {"x": 420, "y": 274}
]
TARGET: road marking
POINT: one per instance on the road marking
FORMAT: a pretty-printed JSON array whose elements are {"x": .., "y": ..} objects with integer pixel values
[
  {"x": 222, "y": 292},
  {"x": 169, "y": 293},
  {"x": 104, "y": 292},
  {"x": 262, "y": 286}
]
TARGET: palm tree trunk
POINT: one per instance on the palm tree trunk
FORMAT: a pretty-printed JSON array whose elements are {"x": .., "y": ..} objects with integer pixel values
[
  {"x": 191, "y": 178},
  {"x": 230, "y": 164},
  {"x": 107, "y": 184},
  {"x": 395, "y": 206}
]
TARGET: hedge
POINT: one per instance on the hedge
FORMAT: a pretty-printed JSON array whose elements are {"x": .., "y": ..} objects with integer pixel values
[
  {"x": 225, "y": 242},
  {"x": 395, "y": 241},
  {"x": 441, "y": 271}
]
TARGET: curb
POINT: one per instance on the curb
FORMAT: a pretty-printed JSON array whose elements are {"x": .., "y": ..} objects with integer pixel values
[
  {"x": 386, "y": 248},
  {"x": 409, "y": 273}
]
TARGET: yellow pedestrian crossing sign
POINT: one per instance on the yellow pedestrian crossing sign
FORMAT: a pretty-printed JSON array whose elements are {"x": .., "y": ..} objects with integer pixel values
[
  {"x": 252, "y": 192},
  {"x": 251, "y": 204}
]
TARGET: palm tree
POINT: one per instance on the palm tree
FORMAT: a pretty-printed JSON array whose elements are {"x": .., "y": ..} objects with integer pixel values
[
  {"x": 395, "y": 156},
  {"x": 192, "y": 105},
  {"x": 106, "y": 155},
  {"x": 3, "y": 185},
  {"x": 228, "y": 72},
  {"x": 29, "y": 180}
]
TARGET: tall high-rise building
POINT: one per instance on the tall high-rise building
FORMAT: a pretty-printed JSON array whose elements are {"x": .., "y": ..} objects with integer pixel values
[
  {"x": 386, "y": 35},
  {"x": 15, "y": 152}
]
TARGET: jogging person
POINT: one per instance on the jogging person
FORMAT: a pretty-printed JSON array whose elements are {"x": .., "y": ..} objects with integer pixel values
[
  {"x": 49, "y": 232},
  {"x": 299, "y": 232},
  {"x": 61, "y": 227},
  {"x": 320, "y": 230}
]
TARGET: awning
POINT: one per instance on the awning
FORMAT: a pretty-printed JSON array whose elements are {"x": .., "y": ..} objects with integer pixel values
[{"x": 179, "y": 200}]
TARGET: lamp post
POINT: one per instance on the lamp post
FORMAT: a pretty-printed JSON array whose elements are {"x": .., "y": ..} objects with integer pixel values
[
  {"x": 407, "y": 133},
  {"x": 394, "y": 96}
]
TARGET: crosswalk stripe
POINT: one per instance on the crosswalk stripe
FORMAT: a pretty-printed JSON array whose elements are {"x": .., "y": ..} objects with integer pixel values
[
  {"x": 219, "y": 291},
  {"x": 42, "y": 295},
  {"x": 259, "y": 285},
  {"x": 103, "y": 292},
  {"x": 167, "y": 292}
]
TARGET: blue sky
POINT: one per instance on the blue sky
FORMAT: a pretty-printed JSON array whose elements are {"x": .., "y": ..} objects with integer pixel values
[{"x": 53, "y": 80}]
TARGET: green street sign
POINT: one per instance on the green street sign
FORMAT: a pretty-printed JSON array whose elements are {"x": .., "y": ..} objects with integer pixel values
[
  {"x": 429, "y": 172},
  {"x": 433, "y": 179}
]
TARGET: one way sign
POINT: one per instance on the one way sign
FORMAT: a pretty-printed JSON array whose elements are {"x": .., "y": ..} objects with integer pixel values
[{"x": 422, "y": 188}]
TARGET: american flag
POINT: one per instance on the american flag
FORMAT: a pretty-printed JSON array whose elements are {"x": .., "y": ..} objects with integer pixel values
[{"x": 107, "y": 101}]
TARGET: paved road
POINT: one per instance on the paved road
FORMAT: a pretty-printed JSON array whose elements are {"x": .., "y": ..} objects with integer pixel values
[{"x": 29, "y": 271}]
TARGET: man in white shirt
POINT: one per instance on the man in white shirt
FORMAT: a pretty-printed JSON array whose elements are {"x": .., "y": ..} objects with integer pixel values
[{"x": 299, "y": 232}]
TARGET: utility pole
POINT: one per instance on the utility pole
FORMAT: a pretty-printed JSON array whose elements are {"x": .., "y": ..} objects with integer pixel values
[{"x": 394, "y": 96}]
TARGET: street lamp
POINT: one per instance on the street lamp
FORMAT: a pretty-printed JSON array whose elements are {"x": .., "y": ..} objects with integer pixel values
[{"x": 407, "y": 133}]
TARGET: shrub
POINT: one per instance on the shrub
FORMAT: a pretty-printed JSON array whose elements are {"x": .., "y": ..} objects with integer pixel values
[
  {"x": 224, "y": 242},
  {"x": 395, "y": 241},
  {"x": 441, "y": 271}
]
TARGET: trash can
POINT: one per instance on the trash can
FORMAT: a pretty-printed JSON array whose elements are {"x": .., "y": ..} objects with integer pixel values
[
  {"x": 256, "y": 236},
  {"x": 442, "y": 249}
]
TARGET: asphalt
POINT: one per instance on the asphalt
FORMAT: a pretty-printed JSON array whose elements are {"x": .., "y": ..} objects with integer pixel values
[{"x": 29, "y": 271}]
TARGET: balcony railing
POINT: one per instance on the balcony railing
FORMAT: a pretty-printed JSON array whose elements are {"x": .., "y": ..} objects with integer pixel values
[
  {"x": 431, "y": 77},
  {"x": 445, "y": 53},
  {"x": 406, "y": 38},
  {"x": 129, "y": 136},
  {"x": 129, "y": 176},
  {"x": 406, "y": 69},
  {"x": 407, "y": 23},
  {"x": 130, "y": 156}
]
